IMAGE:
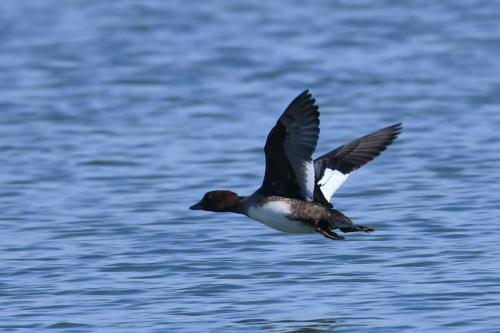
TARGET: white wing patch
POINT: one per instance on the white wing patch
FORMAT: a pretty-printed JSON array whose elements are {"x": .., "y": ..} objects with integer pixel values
[
  {"x": 331, "y": 181},
  {"x": 309, "y": 186}
]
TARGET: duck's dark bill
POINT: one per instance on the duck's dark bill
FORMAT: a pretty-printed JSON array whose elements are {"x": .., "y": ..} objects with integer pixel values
[{"x": 197, "y": 206}]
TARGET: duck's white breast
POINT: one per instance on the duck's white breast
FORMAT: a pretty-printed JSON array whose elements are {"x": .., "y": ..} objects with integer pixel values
[{"x": 274, "y": 214}]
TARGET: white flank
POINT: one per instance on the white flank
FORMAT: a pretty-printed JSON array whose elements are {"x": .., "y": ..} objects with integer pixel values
[
  {"x": 274, "y": 215},
  {"x": 331, "y": 181}
]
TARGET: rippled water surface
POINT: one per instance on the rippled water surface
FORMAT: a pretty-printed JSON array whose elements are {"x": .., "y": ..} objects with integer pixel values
[{"x": 115, "y": 116}]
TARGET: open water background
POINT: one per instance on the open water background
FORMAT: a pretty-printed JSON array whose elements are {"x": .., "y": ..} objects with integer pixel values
[{"x": 115, "y": 116}]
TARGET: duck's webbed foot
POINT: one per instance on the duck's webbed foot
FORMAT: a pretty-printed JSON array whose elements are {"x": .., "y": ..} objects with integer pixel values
[
  {"x": 327, "y": 232},
  {"x": 365, "y": 228}
]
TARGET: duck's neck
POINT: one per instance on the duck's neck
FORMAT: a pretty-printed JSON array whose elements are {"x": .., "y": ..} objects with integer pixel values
[{"x": 238, "y": 207}]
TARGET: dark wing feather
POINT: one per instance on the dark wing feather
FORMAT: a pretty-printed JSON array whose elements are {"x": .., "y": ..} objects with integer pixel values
[
  {"x": 352, "y": 156},
  {"x": 289, "y": 147}
]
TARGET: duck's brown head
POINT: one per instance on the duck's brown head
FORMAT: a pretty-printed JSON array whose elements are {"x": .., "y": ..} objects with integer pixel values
[{"x": 219, "y": 201}]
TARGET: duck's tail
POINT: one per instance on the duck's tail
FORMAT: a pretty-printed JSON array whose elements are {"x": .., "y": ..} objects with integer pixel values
[{"x": 339, "y": 221}]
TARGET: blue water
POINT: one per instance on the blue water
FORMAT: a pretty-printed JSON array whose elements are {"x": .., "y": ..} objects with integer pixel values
[{"x": 115, "y": 116}]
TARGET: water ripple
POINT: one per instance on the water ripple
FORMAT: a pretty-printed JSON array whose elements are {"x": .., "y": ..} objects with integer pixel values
[{"x": 117, "y": 116}]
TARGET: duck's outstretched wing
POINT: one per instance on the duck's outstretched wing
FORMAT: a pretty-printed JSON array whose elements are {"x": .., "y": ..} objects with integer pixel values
[
  {"x": 333, "y": 168},
  {"x": 289, "y": 148}
]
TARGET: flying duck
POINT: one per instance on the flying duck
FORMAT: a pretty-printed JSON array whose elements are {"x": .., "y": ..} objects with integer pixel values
[{"x": 296, "y": 191}]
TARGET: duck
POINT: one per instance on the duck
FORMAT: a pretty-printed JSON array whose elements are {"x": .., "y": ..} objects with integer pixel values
[{"x": 295, "y": 195}]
